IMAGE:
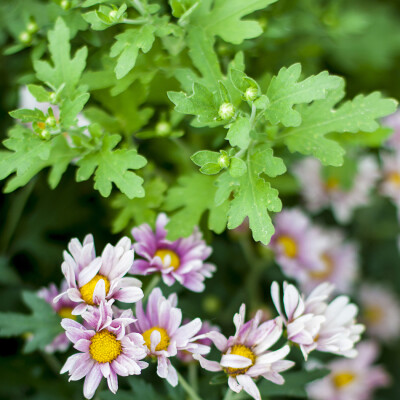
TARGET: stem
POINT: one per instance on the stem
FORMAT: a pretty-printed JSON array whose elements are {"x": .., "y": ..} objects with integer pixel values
[
  {"x": 52, "y": 362},
  {"x": 229, "y": 394},
  {"x": 139, "y": 7},
  {"x": 14, "y": 215},
  {"x": 135, "y": 21},
  {"x": 187, "y": 388},
  {"x": 253, "y": 115},
  {"x": 193, "y": 381},
  {"x": 153, "y": 283}
]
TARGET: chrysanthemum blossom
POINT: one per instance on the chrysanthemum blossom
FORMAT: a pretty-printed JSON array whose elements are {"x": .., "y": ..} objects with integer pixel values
[
  {"x": 320, "y": 193},
  {"x": 163, "y": 333},
  {"x": 393, "y": 121},
  {"x": 63, "y": 308},
  {"x": 181, "y": 260},
  {"x": 390, "y": 185},
  {"x": 302, "y": 325},
  {"x": 351, "y": 379},
  {"x": 297, "y": 244},
  {"x": 246, "y": 355},
  {"x": 106, "y": 349},
  {"x": 340, "y": 263},
  {"x": 380, "y": 312},
  {"x": 92, "y": 280}
]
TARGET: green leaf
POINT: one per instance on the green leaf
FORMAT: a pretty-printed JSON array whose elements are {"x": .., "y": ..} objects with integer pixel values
[
  {"x": 239, "y": 133},
  {"x": 294, "y": 386},
  {"x": 253, "y": 195},
  {"x": 190, "y": 199},
  {"x": 65, "y": 70},
  {"x": 210, "y": 168},
  {"x": 285, "y": 91},
  {"x": 322, "y": 118},
  {"x": 43, "y": 323},
  {"x": 237, "y": 167},
  {"x": 224, "y": 18},
  {"x": 138, "y": 211},
  {"x": 26, "y": 115},
  {"x": 127, "y": 47},
  {"x": 205, "y": 156},
  {"x": 39, "y": 93},
  {"x": 115, "y": 167},
  {"x": 70, "y": 108}
]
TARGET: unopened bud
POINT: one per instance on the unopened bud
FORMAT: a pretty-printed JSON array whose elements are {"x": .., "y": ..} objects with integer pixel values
[
  {"x": 113, "y": 15},
  {"x": 25, "y": 37},
  {"x": 251, "y": 93},
  {"x": 226, "y": 111},
  {"x": 51, "y": 121},
  {"x": 32, "y": 27},
  {"x": 53, "y": 97},
  {"x": 163, "y": 128},
  {"x": 223, "y": 161},
  {"x": 65, "y": 4},
  {"x": 45, "y": 134}
]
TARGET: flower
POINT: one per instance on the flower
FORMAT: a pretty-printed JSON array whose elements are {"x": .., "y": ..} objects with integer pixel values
[
  {"x": 106, "y": 350},
  {"x": 181, "y": 260},
  {"x": 320, "y": 193},
  {"x": 353, "y": 379},
  {"x": 92, "y": 280},
  {"x": 393, "y": 121},
  {"x": 297, "y": 244},
  {"x": 315, "y": 324},
  {"x": 63, "y": 308},
  {"x": 245, "y": 356},
  {"x": 340, "y": 259},
  {"x": 390, "y": 185},
  {"x": 206, "y": 327},
  {"x": 302, "y": 326},
  {"x": 380, "y": 312},
  {"x": 163, "y": 334}
]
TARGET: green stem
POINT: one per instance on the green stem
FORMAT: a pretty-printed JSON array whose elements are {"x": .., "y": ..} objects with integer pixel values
[
  {"x": 135, "y": 21},
  {"x": 153, "y": 283},
  {"x": 187, "y": 388},
  {"x": 14, "y": 214},
  {"x": 229, "y": 394},
  {"x": 193, "y": 370}
]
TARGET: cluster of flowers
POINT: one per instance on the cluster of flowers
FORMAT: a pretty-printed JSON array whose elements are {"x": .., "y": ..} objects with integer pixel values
[{"x": 112, "y": 341}]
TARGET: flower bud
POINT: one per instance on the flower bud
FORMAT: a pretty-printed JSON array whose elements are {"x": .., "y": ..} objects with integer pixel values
[
  {"x": 163, "y": 128},
  {"x": 251, "y": 93},
  {"x": 51, "y": 121},
  {"x": 65, "y": 5},
  {"x": 226, "y": 111},
  {"x": 113, "y": 15},
  {"x": 45, "y": 134},
  {"x": 223, "y": 161},
  {"x": 32, "y": 27},
  {"x": 53, "y": 97},
  {"x": 25, "y": 37}
]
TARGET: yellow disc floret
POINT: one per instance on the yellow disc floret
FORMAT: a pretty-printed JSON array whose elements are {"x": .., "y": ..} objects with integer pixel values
[
  {"x": 289, "y": 246},
  {"x": 164, "y": 342},
  {"x": 244, "y": 351},
  {"x": 66, "y": 312},
  {"x": 88, "y": 289},
  {"x": 104, "y": 346},
  {"x": 343, "y": 379},
  {"x": 325, "y": 273},
  {"x": 394, "y": 178},
  {"x": 373, "y": 314},
  {"x": 175, "y": 261},
  {"x": 332, "y": 184}
]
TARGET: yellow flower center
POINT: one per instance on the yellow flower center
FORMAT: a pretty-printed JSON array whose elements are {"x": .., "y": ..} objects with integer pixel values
[
  {"x": 88, "y": 289},
  {"x": 164, "y": 342},
  {"x": 327, "y": 271},
  {"x": 175, "y": 261},
  {"x": 373, "y": 314},
  {"x": 289, "y": 246},
  {"x": 244, "y": 351},
  {"x": 331, "y": 184},
  {"x": 104, "y": 346},
  {"x": 394, "y": 178},
  {"x": 66, "y": 312},
  {"x": 343, "y": 379}
]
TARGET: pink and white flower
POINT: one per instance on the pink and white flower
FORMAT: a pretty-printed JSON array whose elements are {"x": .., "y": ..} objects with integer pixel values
[
  {"x": 351, "y": 379},
  {"x": 341, "y": 263},
  {"x": 393, "y": 121},
  {"x": 297, "y": 244},
  {"x": 63, "y": 308},
  {"x": 380, "y": 312},
  {"x": 163, "y": 333},
  {"x": 319, "y": 193},
  {"x": 92, "y": 279},
  {"x": 390, "y": 185},
  {"x": 245, "y": 356},
  {"x": 106, "y": 349},
  {"x": 181, "y": 260}
]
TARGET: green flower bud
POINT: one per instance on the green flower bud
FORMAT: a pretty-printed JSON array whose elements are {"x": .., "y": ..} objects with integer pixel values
[
  {"x": 45, "y": 134},
  {"x": 113, "y": 15},
  {"x": 224, "y": 161},
  {"x": 226, "y": 111},
  {"x": 51, "y": 121},
  {"x": 25, "y": 37},
  {"x": 211, "y": 304},
  {"x": 163, "y": 128},
  {"x": 65, "y": 5},
  {"x": 251, "y": 93},
  {"x": 53, "y": 97},
  {"x": 32, "y": 27}
]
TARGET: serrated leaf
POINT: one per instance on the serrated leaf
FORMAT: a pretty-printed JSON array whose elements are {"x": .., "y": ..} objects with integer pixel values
[
  {"x": 70, "y": 108},
  {"x": 43, "y": 323},
  {"x": 237, "y": 167},
  {"x": 285, "y": 91},
  {"x": 138, "y": 211},
  {"x": 127, "y": 47},
  {"x": 321, "y": 118},
  {"x": 239, "y": 133},
  {"x": 26, "y": 115},
  {"x": 113, "y": 166},
  {"x": 224, "y": 18},
  {"x": 193, "y": 195},
  {"x": 253, "y": 195},
  {"x": 64, "y": 69},
  {"x": 39, "y": 93}
]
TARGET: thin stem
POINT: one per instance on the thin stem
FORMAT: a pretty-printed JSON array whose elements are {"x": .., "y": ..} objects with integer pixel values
[
  {"x": 187, "y": 388},
  {"x": 253, "y": 115},
  {"x": 135, "y": 21},
  {"x": 229, "y": 394},
  {"x": 153, "y": 283},
  {"x": 14, "y": 215},
  {"x": 139, "y": 7},
  {"x": 193, "y": 370}
]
